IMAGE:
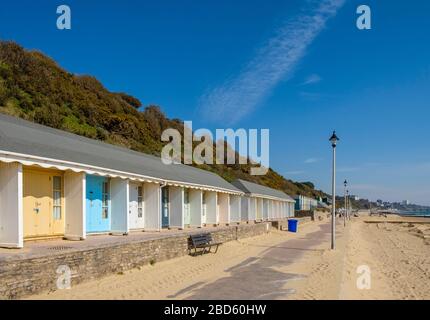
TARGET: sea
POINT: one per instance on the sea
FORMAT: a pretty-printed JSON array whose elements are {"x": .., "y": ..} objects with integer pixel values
[{"x": 418, "y": 213}]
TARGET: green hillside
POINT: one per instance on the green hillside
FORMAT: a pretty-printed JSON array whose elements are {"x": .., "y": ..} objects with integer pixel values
[{"x": 34, "y": 87}]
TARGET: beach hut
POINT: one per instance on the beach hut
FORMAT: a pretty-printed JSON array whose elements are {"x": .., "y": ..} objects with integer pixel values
[
  {"x": 187, "y": 211},
  {"x": 266, "y": 209},
  {"x": 235, "y": 210},
  {"x": 107, "y": 205},
  {"x": 304, "y": 203},
  {"x": 54, "y": 183},
  {"x": 245, "y": 204},
  {"x": 263, "y": 202},
  {"x": 136, "y": 206},
  {"x": 43, "y": 202},
  {"x": 98, "y": 204},
  {"x": 224, "y": 208},
  {"x": 165, "y": 207},
  {"x": 211, "y": 208}
]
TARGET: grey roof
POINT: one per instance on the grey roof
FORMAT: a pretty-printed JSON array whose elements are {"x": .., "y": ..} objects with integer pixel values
[
  {"x": 28, "y": 138},
  {"x": 257, "y": 189}
]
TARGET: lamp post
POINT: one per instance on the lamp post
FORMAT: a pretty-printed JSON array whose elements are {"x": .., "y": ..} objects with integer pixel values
[
  {"x": 348, "y": 202},
  {"x": 345, "y": 183},
  {"x": 333, "y": 139}
]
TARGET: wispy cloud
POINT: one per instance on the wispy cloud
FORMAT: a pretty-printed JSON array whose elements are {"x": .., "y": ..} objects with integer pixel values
[
  {"x": 273, "y": 62},
  {"x": 312, "y": 160},
  {"x": 313, "y": 78}
]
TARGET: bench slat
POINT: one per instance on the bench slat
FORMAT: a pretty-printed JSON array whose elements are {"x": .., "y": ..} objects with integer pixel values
[{"x": 202, "y": 241}]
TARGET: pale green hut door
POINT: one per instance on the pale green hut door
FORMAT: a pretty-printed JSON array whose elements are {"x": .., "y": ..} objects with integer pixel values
[{"x": 187, "y": 213}]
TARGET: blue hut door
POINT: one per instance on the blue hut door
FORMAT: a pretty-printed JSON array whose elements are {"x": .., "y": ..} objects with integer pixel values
[
  {"x": 165, "y": 207},
  {"x": 98, "y": 204}
]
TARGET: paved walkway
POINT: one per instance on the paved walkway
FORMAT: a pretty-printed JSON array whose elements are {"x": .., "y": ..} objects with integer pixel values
[{"x": 259, "y": 277}]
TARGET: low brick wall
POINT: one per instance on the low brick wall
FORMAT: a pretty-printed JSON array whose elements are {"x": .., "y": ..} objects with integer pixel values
[{"x": 23, "y": 277}]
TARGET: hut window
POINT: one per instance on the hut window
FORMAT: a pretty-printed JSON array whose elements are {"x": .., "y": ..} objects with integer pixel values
[
  {"x": 57, "y": 198},
  {"x": 140, "y": 202},
  {"x": 105, "y": 200}
]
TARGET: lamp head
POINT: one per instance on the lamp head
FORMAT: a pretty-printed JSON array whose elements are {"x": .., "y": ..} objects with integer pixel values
[{"x": 334, "y": 139}]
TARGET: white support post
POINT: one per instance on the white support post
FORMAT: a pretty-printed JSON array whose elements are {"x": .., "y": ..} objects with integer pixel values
[
  {"x": 119, "y": 189},
  {"x": 196, "y": 207},
  {"x": 176, "y": 207},
  {"x": 11, "y": 206},
  {"x": 245, "y": 208},
  {"x": 211, "y": 208},
  {"x": 234, "y": 208},
  {"x": 224, "y": 208},
  {"x": 75, "y": 205},
  {"x": 252, "y": 209},
  {"x": 152, "y": 203}
]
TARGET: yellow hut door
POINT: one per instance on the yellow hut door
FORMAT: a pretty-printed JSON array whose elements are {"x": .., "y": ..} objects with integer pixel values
[{"x": 43, "y": 199}]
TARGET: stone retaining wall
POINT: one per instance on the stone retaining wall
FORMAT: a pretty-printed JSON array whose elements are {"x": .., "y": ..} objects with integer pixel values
[
  {"x": 315, "y": 215},
  {"x": 20, "y": 278},
  {"x": 283, "y": 224}
]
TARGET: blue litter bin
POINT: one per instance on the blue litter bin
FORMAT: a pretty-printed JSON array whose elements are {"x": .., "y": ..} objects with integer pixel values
[{"x": 292, "y": 225}]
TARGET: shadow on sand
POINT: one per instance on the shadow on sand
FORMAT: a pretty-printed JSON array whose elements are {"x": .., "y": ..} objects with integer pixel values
[{"x": 259, "y": 277}]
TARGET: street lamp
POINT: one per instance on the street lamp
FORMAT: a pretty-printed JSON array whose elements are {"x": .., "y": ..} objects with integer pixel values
[
  {"x": 349, "y": 204},
  {"x": 333, "y": 139},
  {"x": 345, "y": 183}
]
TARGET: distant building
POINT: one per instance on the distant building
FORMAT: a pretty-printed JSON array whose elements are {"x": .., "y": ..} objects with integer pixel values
[
  {"x": 406, "y": 202},
  {"x": 379, "y": 202},
  {"x": 355, "y": 198},
  {"x": 305, "y": 203}
]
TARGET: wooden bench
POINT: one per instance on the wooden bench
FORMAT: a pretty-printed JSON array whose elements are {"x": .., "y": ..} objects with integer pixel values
[{"x": 202, "y": 241}]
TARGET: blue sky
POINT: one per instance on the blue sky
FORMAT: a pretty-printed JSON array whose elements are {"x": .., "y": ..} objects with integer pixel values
[{"x": 372, "y": 86}]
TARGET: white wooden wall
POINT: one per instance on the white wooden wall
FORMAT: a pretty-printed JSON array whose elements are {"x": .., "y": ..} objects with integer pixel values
[
  {"x": 152, "y": 203},
  {"x": 176, "y": 195},
  {"x": 211, "y": 208},
  {"x": 252, "y": 212},
  {"x": 234, "y": 208},
  {"x": 292, "y": 208},
  {"x": 119, "y": 189},
  {"x": 224, "y": 208},
  {"x": 265, "y": 209},
  {"x": 245, "y": 208},
  {"x": 259, "y": 209},
  {"x": 75, "y": 206},
  {"x": 196, "y": 199},
  {"x": 11, "y": 206}
]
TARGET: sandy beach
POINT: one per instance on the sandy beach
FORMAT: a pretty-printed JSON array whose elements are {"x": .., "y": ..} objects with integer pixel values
[{"x": 283, "y": 265}]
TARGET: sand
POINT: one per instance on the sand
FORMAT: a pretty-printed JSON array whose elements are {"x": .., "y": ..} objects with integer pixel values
[{"x": 283, "y": 265}]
